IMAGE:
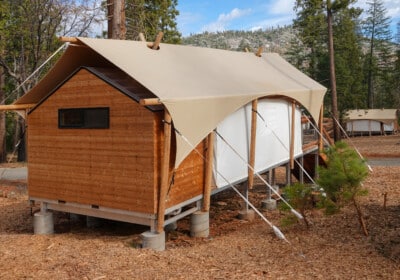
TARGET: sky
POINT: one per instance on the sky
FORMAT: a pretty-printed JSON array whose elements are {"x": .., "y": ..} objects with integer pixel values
[{"x": 197, "y": 16}]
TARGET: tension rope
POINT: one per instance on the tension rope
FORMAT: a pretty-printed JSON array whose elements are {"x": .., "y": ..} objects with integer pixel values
[
  {"x": 275, "y": 229},
  {"x": 352, "y": 143}
]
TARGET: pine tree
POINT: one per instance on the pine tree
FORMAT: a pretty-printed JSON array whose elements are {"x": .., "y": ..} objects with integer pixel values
[
  {"x": 377, "y": 31},
  {"x": 310, "y": 24},
  {"x": 311, "y": 27},
  {"x": 152, "y": 16},
  {"x": 396, "y": 72},
  {"x": 348, "y": 60}
]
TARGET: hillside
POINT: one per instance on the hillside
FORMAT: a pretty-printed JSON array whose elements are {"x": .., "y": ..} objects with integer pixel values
[{"x": 272, "y": 40}]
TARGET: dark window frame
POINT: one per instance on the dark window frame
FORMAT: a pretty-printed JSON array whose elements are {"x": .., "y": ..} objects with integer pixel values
[{"x": 82, "y": 119}]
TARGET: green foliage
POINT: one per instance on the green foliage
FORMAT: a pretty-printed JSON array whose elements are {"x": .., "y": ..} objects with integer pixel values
[
  {"x": 273, "y": 39},
  {"x": 311, "y": 26},
  {"x": 378, "y": 70},
  {"x": 300, "y": 197},
  {"x": 151, "y": 17},
  {"x": 343, "y": 176}
]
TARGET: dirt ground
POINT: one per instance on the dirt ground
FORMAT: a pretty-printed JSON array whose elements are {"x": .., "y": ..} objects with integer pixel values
[{"x": 334, "y": 247}]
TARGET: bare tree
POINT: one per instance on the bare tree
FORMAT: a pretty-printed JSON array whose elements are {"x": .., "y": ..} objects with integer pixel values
[{"x": 29, "y": 31}]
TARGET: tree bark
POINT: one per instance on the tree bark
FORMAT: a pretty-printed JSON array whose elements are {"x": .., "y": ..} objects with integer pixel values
[
  {"x": 335, "y": 113},
  {"x": 3, "y": 152},
  {"x": 116, "y": 19},
  {"x": 360, "y": 217}
]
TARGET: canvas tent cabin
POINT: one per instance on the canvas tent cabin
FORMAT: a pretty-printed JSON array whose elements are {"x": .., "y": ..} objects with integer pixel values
[
  {"x": 371, "y": 121},
  {"x": 118, "y": 130}
]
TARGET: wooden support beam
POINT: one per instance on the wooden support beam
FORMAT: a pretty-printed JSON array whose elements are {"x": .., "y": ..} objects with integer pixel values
[
  {"x": 141, "y": 37},
  {"x": 12, "y": 107},
  {"x": 292, "y": 135},
  {"x": 252, "y": 158},
  {"x": 209, "y": 172},
  {"x": 156, "y": 44},
  {"x": 164, "y": 172},
  {"x": 150, "y": 102},
  {"x": 327, "y": 136},
  {"x": 259, "y": 51},
  {"x": 73, "y": 40}
]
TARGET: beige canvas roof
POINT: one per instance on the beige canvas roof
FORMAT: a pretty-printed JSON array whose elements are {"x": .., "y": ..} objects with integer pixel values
[
  {"x": 372, "y": 114},
  {"x": 198, "y": 86}
]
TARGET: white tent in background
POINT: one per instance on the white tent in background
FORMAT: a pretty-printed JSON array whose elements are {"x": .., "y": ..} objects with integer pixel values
[{"x": 371, "y": 121}]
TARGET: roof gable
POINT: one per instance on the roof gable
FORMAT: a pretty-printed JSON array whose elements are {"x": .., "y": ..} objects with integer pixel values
[{"x": 114, "y": 77}]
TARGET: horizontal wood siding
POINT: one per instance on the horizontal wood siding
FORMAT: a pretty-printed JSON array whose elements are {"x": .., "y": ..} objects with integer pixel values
[
  {"x": 112, "y": 167},
  {"x": 188, "y": 179}
]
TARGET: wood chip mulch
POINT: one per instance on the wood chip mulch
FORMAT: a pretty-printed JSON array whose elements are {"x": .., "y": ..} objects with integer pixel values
[{"x": 334, "y": 247}]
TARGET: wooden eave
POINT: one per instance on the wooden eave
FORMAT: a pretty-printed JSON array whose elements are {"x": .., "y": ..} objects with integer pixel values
[
  {"x": 13, "y": 107},
  {"x": 114, "y": 77}
]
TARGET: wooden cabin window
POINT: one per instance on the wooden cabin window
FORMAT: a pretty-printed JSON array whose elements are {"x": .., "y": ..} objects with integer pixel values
[{"x": 84, "y": 118}]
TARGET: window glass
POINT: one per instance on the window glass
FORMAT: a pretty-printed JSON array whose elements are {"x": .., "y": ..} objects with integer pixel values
[{"x": 84, "y": 118}]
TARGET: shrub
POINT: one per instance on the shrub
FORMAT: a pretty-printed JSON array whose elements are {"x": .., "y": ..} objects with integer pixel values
[{"x": 342, "y": 179}]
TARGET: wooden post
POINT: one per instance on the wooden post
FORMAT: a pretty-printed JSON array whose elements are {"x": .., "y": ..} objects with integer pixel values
[
  {"x": 12, "y": 107},
  {"x": 292, "y": 135},
  {"x": 259, "y": 51},
  {"x": 209, "y": 171},
  {"x": 164, "y": 171},
  {"x": 252, "y": 158},
  {"x": 157, "y": 42},
  {"x": 141, "y": 37},
  {"x": 320, "y": 126}
]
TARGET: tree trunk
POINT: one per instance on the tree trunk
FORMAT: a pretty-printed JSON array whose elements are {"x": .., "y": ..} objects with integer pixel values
[
  {"x": 360, "y": 217},
  {"x": 3, "y": 152},
  {"x": 116, "y": 19},
  {"x": 335, "y": 113}
]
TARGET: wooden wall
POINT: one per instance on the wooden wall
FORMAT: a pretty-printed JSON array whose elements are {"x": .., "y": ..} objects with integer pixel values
[
  {"x": 117, "y": 167},
  {"x": 107, "y": 167},
  {"x": 189, "y": 178}
]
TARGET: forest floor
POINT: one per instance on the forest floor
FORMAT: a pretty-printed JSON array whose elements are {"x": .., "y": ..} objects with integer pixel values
[{"x": 333, "y": 247}]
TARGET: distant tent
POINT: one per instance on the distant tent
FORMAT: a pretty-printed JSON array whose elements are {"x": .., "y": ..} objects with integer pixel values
[{"x": 371, "y": 121}]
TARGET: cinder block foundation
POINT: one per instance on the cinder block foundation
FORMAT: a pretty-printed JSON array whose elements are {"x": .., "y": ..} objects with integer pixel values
[
  {"x": 200, "y": 224},
  {"x": 268, "y": 204},
  {"x": 153, "y": 240},
  {"x": 43, "y": 223},
  {"x": 246, "y": 214}
]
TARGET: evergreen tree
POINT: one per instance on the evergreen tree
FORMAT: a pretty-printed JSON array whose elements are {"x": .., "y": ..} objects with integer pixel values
[
  {"x": 377, "y": 31},
  {"x": 311, "y": 26},
  {"x": 152, "y": 16},
  {"x": 348, "y": 60},
  {"x": 396, "y": 72}
]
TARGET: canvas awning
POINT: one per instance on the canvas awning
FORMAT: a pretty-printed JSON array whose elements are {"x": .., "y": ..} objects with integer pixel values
[
  {"x": 382, "y": 115},
  {"x": 199, "y": 86}
]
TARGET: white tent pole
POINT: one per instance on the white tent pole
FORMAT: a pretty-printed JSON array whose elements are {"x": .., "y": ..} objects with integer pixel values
[{"x": 276, "y": 230}]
